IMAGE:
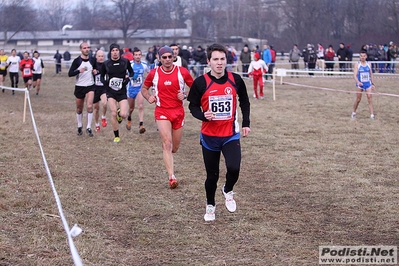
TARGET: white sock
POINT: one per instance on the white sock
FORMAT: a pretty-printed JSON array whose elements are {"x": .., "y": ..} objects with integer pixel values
[
  {"x": 103, "y": 116},
  {"x": 79, "y": 118},
  {"x": 89, "y": 119}
]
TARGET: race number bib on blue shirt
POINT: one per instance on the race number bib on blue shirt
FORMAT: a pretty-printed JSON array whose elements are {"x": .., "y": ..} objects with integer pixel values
[
  {"x": 221, "y": 107},
  {"x": 364, "y": 77},
  {"x": 116, "y": 83},
  {"x": 136, "y": 82}
]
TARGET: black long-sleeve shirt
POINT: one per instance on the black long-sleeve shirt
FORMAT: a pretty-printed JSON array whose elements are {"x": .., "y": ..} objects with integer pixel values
[{"x": 111, "y": 69}]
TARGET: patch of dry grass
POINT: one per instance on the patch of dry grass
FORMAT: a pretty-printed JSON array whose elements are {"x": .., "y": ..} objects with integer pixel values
[{"x": 310, "y": 176}]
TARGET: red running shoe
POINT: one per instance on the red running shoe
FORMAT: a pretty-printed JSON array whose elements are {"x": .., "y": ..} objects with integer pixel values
[
  {"x": 104, "y": 122},
  {"x": 173, "y": 182}
]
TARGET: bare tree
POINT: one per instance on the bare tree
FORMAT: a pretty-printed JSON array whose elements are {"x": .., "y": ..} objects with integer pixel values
[
  {"x": 131, "y": 16},
  {"x": 389, "y": 18},
  {"x": 55, "y": 14},
  {"x": 203, "y": 16},
  {"x": 89, "y": 15},
  {"x": 15, "y": 17}
]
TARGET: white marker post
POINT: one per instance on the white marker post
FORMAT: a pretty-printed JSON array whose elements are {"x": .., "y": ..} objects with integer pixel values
[{"x": 26, "y": 98}]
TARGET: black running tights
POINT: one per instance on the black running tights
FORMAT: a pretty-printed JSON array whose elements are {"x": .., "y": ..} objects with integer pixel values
[
  {"x": 232, "y": 156},
  {"x": 14, "y": 83}
]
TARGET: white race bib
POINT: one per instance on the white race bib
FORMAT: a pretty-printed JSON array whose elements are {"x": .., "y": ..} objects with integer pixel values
[
  {"x": 27, "y": 71},
  {"x": 136, "y": 82},
  {"x": 116, "y": 83},
  {"x": 221, "y": 107},
  {"x": 364, "y": 77}
]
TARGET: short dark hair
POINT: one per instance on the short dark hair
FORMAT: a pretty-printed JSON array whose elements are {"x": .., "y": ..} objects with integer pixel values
[{"x": 215, "y": 47}]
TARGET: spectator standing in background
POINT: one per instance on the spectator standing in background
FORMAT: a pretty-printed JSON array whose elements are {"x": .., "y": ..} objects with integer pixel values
[
  {"x": 245, "y": 58},
  {"x": 329, "y": 57},
  {"x": 273, "y": 62},
  {"x": 342, "y": 54},
  {"x": 311, "y": 58},
  {"x": 295, "y": 55},
  {"x": 229, "y": 58},
  {"x": 150, "y": 57},
  {"x": 185, "y": 54},
  {"x": 57, "y": 58},
  {"x": 350, "y": 57},
  {"x": 382, "y": 56},
  {"x": 200, "y": 59},
  {"x": 320, "y": 56},
  {"x": 266, "y": 55},
  {"x": 67, "y": 59},
  {"x": 393, "y": 52}
]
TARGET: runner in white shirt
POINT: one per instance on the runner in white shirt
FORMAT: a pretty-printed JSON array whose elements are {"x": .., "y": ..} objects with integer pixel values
[
  {"x": 38, "y": 69},
  {"x": 13, "y": 68},
  {"x": 82, "y": 69}
]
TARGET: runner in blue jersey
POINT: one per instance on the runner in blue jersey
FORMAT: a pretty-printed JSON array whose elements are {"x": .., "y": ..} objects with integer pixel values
[
  {"x": 133, "y": 92},
  {"x": 364, "y": 82}
]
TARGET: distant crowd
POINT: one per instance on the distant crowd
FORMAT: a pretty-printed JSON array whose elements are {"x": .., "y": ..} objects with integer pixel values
[{"x": 382, "y": 57}]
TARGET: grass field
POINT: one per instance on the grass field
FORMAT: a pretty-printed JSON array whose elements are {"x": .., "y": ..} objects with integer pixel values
[{"x": 310, "y": 176}]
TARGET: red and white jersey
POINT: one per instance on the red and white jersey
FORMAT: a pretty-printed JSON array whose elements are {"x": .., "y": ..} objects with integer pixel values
[
  {"x": 221, "y": 99},
  {"x": 168, "y": 84},
  {"x": 257, "y": 67},
  {"x": 26, "y": 66}
]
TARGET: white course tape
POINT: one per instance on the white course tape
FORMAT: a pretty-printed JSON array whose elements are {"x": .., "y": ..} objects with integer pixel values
[
  {"x": 75, "y": 230},
  {"x": 346, "y": 91}
]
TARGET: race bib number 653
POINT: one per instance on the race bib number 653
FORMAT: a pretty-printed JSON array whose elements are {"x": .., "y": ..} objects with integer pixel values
[{"x": 221, "y": 107}]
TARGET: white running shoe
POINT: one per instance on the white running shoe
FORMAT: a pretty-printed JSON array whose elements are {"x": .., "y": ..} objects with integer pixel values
[
  {"x": 353, "y": 115},
  {"x": 210, "y": 213},
  {"x": 372, "y": 116},
  {"x": 230, "y": 202}
]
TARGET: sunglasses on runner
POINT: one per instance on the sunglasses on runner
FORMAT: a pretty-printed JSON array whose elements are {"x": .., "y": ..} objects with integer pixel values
[{"x": 167, "y": 56}]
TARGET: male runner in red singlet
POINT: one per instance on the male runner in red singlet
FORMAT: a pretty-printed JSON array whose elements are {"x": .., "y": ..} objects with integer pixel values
[
  {"x": 213, "y": 100},
  {"x": 168, "y": 81}
]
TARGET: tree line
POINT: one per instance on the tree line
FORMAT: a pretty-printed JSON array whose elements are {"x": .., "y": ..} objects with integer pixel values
[{"x": 281, "y": 23}]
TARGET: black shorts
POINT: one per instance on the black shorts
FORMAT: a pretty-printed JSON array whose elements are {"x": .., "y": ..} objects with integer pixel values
[
  {"x": 3, "y": 72},
  {"x": 81, "y": 91},
  {"x": 117, "y": 95},
  {"x": 98, "y": 91},
  {"x": 27, "y": 79},
  {"x": 37, "y": 76}
]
